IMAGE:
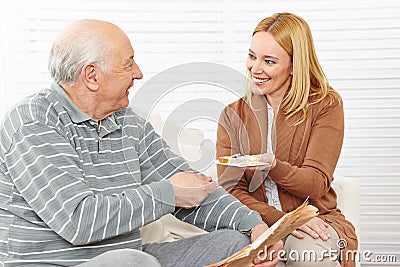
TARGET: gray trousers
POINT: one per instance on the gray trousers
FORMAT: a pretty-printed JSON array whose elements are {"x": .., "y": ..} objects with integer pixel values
[{"x": 194, "y": 251}]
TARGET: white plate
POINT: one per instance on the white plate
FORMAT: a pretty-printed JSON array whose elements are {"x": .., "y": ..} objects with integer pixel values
[{"x": 243, "y": 164}]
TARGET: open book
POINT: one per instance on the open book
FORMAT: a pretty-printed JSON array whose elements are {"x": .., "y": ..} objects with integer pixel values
[{"x": 283, "y": 227}]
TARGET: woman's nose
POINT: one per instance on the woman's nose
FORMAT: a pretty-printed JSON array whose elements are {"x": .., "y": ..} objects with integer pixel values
[{"x": 256, "y": 68}]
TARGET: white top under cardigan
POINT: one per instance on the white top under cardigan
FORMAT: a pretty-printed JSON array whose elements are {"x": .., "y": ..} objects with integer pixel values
[{"x": 271, "y": 188}]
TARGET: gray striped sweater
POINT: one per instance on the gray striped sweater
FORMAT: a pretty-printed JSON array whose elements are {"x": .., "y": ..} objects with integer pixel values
[{"x": 71, "y": 190}]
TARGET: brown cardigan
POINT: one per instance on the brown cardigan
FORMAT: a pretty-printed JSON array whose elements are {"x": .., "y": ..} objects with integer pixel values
[{"x": 306, "y": 157}]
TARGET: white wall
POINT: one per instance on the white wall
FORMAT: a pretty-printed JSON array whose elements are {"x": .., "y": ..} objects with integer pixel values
[{"x": 358, "y": 43}]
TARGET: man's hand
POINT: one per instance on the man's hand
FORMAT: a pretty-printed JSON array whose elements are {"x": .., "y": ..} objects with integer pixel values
[
  {"x": 191, "y": 189},
  {"x": 270, "y": 257},
  {"x": 316, "y": 228}
]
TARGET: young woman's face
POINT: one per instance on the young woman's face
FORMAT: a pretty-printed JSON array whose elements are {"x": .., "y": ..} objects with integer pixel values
[{"x": 270, "y": 66}]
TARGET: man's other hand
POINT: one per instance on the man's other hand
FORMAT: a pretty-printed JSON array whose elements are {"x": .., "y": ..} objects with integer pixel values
[{"x": 270, "y": 257}]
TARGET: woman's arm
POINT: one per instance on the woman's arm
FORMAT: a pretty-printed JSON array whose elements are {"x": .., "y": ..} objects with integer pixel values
[
  {"x": 313, "y": 178},
  {"x": 234, "y": 179}
]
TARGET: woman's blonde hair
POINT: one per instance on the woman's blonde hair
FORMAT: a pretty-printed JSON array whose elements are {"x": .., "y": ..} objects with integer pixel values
[{"x": 309, "y": 83}]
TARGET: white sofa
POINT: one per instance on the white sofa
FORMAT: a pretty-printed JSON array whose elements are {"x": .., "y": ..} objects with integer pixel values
[{"x": 168, "y": 228}]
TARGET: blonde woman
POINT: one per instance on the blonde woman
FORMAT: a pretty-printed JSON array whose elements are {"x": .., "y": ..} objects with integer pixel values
[{"x": 291, "y": 112}]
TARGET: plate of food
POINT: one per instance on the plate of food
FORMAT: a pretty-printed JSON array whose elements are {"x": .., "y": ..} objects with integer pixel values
[{"x": 239, "y": 160}]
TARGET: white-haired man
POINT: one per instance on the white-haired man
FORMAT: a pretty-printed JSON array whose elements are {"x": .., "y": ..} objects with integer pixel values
[{"x": 81, "y": 172}]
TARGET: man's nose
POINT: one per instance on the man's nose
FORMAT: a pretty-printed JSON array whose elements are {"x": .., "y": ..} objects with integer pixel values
[{"x": 137, "y": 73}]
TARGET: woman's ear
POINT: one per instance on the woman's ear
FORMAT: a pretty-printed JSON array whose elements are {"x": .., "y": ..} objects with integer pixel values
[{"x": 90, "y": 77}]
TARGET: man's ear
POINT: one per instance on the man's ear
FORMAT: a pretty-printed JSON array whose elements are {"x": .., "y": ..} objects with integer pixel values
[{"x": 90, "y": 77}]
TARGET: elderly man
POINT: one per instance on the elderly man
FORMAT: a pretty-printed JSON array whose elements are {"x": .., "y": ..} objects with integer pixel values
[{"x": 81, "y": 172}]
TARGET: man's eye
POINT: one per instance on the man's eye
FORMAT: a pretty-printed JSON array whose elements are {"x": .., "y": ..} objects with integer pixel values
[{"x": 129, "y": 65}]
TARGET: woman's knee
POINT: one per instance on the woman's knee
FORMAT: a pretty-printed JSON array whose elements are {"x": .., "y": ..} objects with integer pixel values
[{"x": 310, "y": 252}]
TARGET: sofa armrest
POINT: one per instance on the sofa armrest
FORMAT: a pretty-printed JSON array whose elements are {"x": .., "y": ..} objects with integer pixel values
[{"x": 348, "y": 192}]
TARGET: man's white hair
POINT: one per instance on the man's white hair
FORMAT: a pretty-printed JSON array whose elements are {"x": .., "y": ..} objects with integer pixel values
[{"x": 74, "y": 48}]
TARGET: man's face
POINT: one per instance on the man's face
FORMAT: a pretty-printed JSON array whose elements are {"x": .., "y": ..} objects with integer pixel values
[{"x": 115, "y": 84}]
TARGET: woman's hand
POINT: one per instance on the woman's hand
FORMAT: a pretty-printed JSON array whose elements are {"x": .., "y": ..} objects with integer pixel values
[
  {"x": 316, "y": 228},
  {"x": 268, "y": 158}
]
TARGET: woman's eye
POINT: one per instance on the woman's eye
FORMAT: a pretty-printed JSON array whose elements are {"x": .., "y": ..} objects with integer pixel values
[
  {"x": 252, "y": 56},
  {"x": 269, "y": 61}
]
